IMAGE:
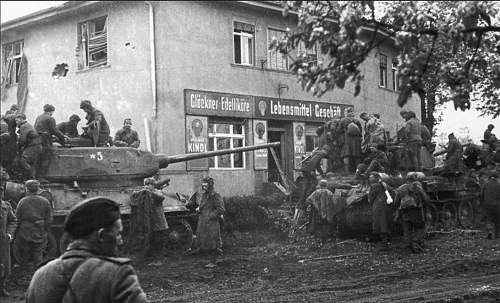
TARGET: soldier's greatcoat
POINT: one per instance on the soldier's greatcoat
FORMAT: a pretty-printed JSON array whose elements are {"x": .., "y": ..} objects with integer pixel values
[
  {"x": 29, "y": 144},
  {"x": 208, "y": 232},
  {"x": 7, "y": 226},
  {"x": 80, "y": 276}
]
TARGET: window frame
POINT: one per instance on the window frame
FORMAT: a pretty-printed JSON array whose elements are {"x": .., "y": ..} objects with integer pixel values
[
  {"x": 16, "y": 59},
  {"x": 382, "y": 71},
  {"x": 269, "y": 52},
  {"x": 231, "y": 135},
  {"x": 244, "y": 34},
  {"x": 395, "y": 76},
  {"x": 83, "y": 64}
]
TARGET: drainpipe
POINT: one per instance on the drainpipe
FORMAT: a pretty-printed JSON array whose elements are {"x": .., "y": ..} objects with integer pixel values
[{"x": 153, "y": 55}]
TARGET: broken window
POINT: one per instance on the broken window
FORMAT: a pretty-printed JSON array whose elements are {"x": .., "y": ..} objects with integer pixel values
[
  {"x": 92, "y": 41},
  {"x": 13, "y": 53}
]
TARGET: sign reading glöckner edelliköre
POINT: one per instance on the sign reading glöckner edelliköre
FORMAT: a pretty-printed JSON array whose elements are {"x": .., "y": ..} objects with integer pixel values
[
  {"x": 218, "y": 104},
  {"x": 297, "y": 110}
]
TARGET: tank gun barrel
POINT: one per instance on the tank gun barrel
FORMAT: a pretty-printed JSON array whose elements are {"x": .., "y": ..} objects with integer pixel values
[{"x": 166, "y": 160}]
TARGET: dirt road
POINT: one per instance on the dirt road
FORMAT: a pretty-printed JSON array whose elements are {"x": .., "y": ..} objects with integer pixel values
[{"x": 263, "y": 266}]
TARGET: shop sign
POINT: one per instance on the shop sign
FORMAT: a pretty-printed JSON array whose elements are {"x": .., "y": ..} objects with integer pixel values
[
  {"x": 260, "y": 137},
  {"x": 218, "y": 104},
  {"x": 299, "y": 143},
  {"x": 284, "y": 109},
  {"x": 197, "y": 140}
]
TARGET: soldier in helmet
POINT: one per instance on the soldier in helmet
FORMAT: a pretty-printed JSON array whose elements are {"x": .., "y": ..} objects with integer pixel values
[
  {"x": 127, "y": 136},
  {"x": 97, "y": 128},
  {"x": 45, "y": 125},
  {"x": 34, "y": 215},
  {"x": 69, "y": 128},
  {"x": 29, "y": 145},
  {"x": 89, "y": 270}
]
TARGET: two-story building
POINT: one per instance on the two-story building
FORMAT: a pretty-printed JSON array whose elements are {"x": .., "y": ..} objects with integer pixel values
[{"x": 193, "y": 76}]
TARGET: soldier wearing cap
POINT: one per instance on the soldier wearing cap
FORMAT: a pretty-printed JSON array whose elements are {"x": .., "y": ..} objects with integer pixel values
[
  {"x": 29, "y": 145},
  {"x": 89, "y": 270},
  {"x": 34, "y": 215},
  {"x": 97, "y": 128},
  {"x": 211, "y": 211},
  {"x": 127, "y": 136},
  {"x": 8, "y": 223},
  {"x": 454, "y": 152},
  {"x": 69, "y": 128},
  {"x": 45, "y": 125}
]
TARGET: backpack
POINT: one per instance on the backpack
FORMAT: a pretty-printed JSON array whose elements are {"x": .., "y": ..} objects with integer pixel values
[
  {"x": 353, "y": 129},
  {"x": 409, "y": 200}
]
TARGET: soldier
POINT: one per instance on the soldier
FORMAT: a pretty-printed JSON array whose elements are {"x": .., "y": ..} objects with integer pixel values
[
  {"x": 211, "y": 210},
  {"x": 489, "y": 138},
  {"x": 490, "y": 202},
  {"x": 413, "y": 139},
  {"x": 8, "y": 142},
  {"x": 97, "y": 128},
  {"x": 29, "y": 146},
  {"x": 13, "y": 110},
  {"x": 351, "y": 150},
  {"x": 126, "y": 136},
  {"x": 45, "y": 125},
  {"x": 453, "y": 151},
  {"x": 89, "y": 270},
  {"x": 34, "y": 215},
  {"x": 409, "y": 201},
  {"x": 378, "y": 199},
  {"x": 375, "y": 161},
  {"x": 8, "y": 225},
  {"x": 322, "y": 201},
  {"x": 69, "y": 128}
]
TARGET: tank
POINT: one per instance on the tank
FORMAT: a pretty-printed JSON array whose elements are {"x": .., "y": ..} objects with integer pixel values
[{"x": 76, "y": 173}]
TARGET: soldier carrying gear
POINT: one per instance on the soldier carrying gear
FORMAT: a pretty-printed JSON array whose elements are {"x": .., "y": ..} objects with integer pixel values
[
  {"x": 127, "y": 136},
  {"x": 69, "y": 128},
  {"x": 97, "y": 128},
  {"x": 29, "y": 145},
  {"x": 89, "y": 270},
  {"x": 45, "y": 125}
]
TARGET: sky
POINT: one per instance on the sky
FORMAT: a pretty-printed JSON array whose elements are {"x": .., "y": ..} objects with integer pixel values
[{"x": 453, "y": 121}]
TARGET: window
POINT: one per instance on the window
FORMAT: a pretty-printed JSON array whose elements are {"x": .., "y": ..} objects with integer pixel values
[
  {"x": 395, "y": 78},
  {"x": 226, "y": 136},
  {"x": 275, "y": 59},
  {"x": 383, "y": 70},
  {"x": 13, "y": 53},
  {"x": 243, "y": 36},
  {"x": 92, "y": 40},
  {"x": 311, "y": 54}
]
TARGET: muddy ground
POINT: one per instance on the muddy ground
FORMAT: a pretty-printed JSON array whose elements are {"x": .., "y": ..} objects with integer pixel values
[{"x": 263, "y": 266}]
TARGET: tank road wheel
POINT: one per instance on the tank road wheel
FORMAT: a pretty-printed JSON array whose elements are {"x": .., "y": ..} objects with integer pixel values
[
  {"x": 431, "y": 215},
  {"x": 179, "y": 236},
  {"x": 466, "y": 214},
  {"x": 449, "y": 215}
]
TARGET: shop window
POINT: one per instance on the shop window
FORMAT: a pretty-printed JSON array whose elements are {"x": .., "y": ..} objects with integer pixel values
[
  {"x": 311, "y": 54},
  {"x": 244, "y": 37},
  {"x": 226, "y": 136},
  {"x": 275, "y": 59},
  {"x": 13, "y": 53},
  {"x": 395, "y": 78},
  {"x": 383, "y": 70},
  {"x": 92, "y": 43},
  {"x": 311, "y": 143}
]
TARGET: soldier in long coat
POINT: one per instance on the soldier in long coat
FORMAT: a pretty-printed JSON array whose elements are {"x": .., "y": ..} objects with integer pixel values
[
  {"x": 45, "y": 125},
  {"x": 8, "y": 225},
  {"x": 413, "y": 139},
  {"x": 34, "y": 215},
  {"x": 97, "y": 128},
  {"x": 89, "y": 270},
  {"x": 351, "y": 130},
  {"x": 211, "y": 209},
  {"x": 29, "y": 145},
  {"x": 380, "y": 211}
]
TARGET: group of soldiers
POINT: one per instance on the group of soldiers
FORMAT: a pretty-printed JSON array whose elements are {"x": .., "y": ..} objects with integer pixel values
[{"x": 29, "y": 147}]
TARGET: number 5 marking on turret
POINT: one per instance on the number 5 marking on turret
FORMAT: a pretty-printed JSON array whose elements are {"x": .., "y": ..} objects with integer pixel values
[{"x": 99, "y": 156}]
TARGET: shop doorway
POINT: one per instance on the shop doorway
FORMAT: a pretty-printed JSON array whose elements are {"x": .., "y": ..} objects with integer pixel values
[{"x": 275, "y": 135}]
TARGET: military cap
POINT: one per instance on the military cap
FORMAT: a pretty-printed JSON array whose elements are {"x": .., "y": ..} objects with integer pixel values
[
  {"x": 74, "y": 118},
  {"x": 412, "y": 176},
  {"x": 85, "y": 104},
  {"x": 14, "y": 107},
  {"x": 48, "y": 108},
  {"x": 32, "y": 185},
  {"x": 323, "y": 183},
  {"x": 22, "y": 116},
  {"x": 91, "y": 215},
  {"x": 127, "y": 120},
  {"x": 149, "y": 181},
  {"x": 208, "y": 180}
]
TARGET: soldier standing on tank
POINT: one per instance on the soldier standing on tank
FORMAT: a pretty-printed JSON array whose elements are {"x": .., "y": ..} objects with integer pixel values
[
  {"x": 490, "y": 202},
  {"x": 454, "y": 152},
  {"x": 127, "y": 136},
  {"x": 409, "y": 201},
  {"x": 89, "y": 270},
  {"x": 8, "y": 223},
  {"x": 69, "y": 128},
  {"x": 45, "y": 125},
  {"x": 29, "y": 145},
  {"x": 34, "y": 215},
  {"x": 97, "y": 128},
  {"x": 351, "y": 130},
  {"x": 413, "y": 139}
]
